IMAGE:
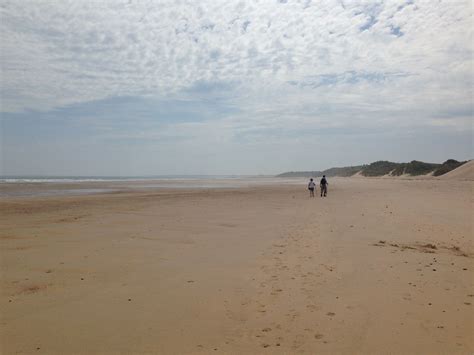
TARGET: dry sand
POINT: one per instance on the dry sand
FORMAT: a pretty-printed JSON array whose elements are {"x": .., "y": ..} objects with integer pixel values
[
  {"x": 379, "y": 266},
  {"x": 464, "y": 172}
]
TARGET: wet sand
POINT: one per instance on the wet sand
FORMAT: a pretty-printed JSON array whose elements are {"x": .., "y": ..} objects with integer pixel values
[{"x": 379, "y": 266}]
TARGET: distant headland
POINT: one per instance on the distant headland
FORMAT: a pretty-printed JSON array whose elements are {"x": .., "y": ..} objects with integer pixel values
[{"x": 384, "y": 168}]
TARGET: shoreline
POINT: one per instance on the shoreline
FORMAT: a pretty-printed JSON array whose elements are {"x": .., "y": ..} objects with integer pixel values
[{"x": 25, "y": 190}]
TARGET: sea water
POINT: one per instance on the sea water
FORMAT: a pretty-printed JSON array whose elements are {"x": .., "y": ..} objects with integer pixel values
[{"x": 18, "y": 186}]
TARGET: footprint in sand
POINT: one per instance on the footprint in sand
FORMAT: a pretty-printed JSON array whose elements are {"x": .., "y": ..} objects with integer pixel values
[
  {"x": 327, "y": 267},
  {"x": 318, "y": 336},
  {"x": 278, "y": 290},
  {"x": 33, "y": 288},
  {"x": 331, "y": 314}
]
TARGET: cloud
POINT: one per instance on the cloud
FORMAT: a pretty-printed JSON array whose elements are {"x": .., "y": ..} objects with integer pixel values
[
  {"x": 242, "y": 71},
  {"x": 61, "y": 53}
]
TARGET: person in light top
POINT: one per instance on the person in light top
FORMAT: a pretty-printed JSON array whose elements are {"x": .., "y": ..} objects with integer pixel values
[{"x": 311, "y": 187}]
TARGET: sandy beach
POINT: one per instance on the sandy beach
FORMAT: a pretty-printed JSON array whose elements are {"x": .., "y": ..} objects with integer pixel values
[{"x": 380, "y": 266}]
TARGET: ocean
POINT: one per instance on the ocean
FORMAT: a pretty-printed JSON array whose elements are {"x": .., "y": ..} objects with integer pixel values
[
  {"x": 29, "y": 186},
  {"x": 62, "y": 179}
]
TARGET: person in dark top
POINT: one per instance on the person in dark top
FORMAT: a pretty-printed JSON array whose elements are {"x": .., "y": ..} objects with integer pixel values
[{"x": 324, "y": 186}]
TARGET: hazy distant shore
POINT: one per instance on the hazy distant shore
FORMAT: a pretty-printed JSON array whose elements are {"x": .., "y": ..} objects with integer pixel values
[
  {"x": 62, "y": 186},
  {"x": 387, "y": 169}
]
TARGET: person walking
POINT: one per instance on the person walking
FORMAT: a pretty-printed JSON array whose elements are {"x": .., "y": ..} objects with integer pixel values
[
  {"x": 324, "y": 186},
  {"x": 311, "y": 187}
]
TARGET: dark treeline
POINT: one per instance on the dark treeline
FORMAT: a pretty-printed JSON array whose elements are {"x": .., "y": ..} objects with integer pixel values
[{"x": 380, "y": 168}]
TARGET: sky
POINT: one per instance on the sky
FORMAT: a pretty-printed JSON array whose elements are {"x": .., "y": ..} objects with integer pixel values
[{"x": 142, "y": 87}]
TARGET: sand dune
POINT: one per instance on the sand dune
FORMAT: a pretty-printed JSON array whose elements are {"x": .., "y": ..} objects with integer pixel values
[
  {"x": 464, "y": 172},
  {"x": 379, "y": 266}
]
